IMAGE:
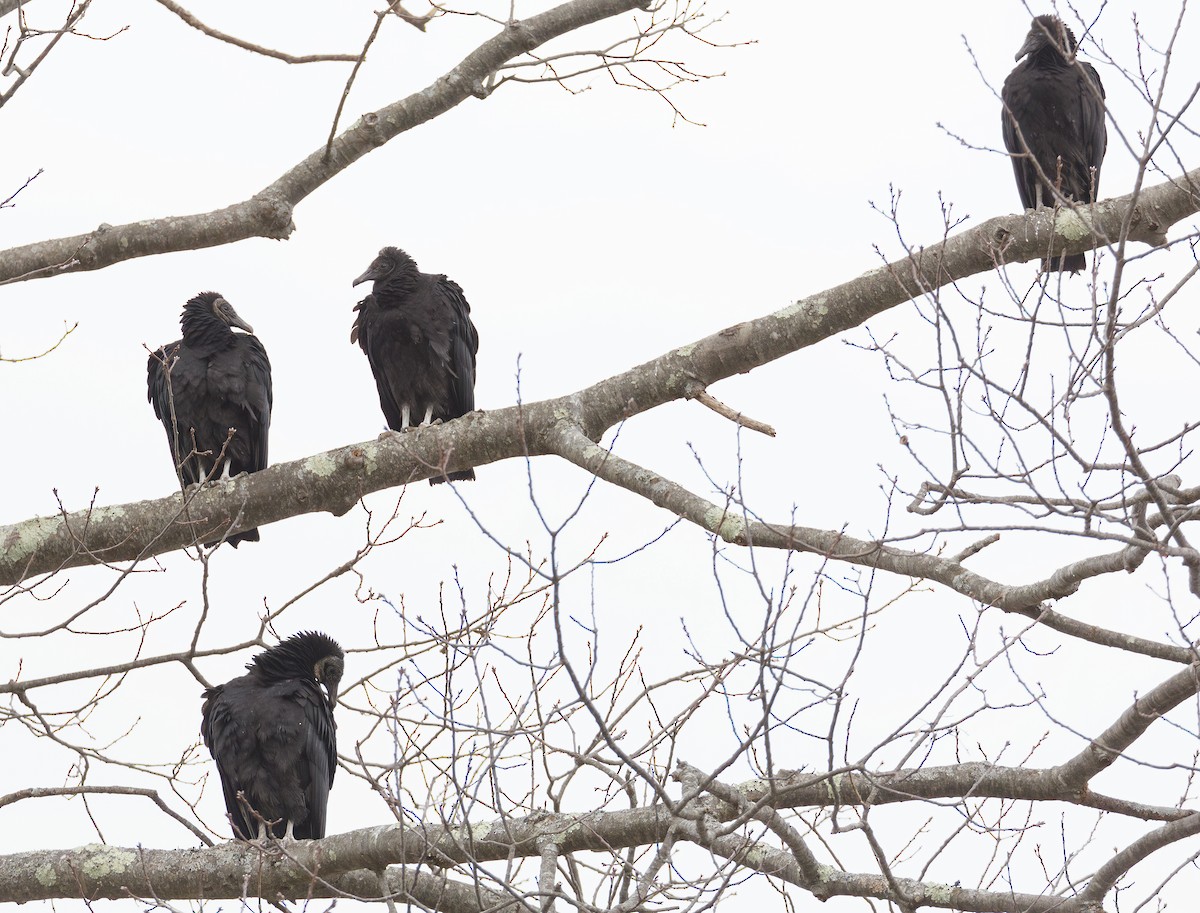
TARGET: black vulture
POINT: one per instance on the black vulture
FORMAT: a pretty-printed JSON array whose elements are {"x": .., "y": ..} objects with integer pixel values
[
  {"x": 273, "y": 737},
  {"x": 1053, "y": 123},
  {"x": 416, "y": 330},
  {"x": 207, "y": 383}
]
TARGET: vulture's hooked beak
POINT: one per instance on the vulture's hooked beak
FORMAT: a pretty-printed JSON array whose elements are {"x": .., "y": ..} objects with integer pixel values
[
  {"x": 331, "y": 687},
  {"x": 1037, "y": 37},
  {"x": 237, "y": 321},
  {"x": 365, "y": 277},
  {"x": 1031, "y": 44}
]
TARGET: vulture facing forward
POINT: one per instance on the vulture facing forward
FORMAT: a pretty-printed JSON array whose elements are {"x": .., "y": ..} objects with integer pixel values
[
  {"x": 273, "y": 737},
  {"x": 417, "y": 333},
  {"x": 1053, "y": 123},
  {"x": 210, "y": 381}
]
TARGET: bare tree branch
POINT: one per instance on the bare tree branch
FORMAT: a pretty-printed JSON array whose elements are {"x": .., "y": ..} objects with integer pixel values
[
  {"x": 738, "y": 418},
  {"x": 268, "y": 214},
  {"x": 522, "y": 737},
  {"x": 74, "y": 17},
  {"x": 221, "y": 872},
  {"x": 1106, "y": 876},
  {"x": 43, "y": 792},
  {"x": 335, "y": 480},
  {"x": 1107, "y": 747},
  {"x": 1025, "y": 599},
  {"x": 7, "y": 202},
  {"x": 250, "y": 46}
]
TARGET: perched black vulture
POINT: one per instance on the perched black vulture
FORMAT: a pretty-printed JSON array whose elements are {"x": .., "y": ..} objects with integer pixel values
[
  {"x": 273, "y": 737},
  {"x": 1053, "y": 123},
  {"x": 416, "y": 330},
  {"x": 203, "y": 385}
]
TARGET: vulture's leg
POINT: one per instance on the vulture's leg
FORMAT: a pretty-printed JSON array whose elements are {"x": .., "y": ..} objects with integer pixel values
[
  {"x": 201, "y": 472},
  {"x": 287, "y": 834},
  {"x": 428, "y": 416},
  {"x": 405, "y": 421}
]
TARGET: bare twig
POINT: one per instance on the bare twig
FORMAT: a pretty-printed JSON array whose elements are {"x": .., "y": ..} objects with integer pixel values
[
  {"x": 250, "y": 46},
  {"x": 703, "y": 396}
]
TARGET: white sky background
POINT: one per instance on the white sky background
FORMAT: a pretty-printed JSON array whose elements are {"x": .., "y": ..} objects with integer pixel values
[{"x": 590, "y": 234}]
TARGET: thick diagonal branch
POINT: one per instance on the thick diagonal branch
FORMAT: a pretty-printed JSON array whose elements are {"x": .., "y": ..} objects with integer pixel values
[
  {"x": 1106, "y": 876},
  {"x": 1103, "y": 750},
  {"x": 332, "y": 481},
  {"x": 1025, "y": 599},
  {"x": 268, "y": 214}
]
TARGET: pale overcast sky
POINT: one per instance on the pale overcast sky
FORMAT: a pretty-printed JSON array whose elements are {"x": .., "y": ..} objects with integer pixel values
[{"x": 590, "y": 232}]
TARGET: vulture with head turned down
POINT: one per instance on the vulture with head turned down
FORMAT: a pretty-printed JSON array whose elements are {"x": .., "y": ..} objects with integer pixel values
[
  {"x": 212, "y": 391},
  {"x": 1053, "y": 123},
  {"x": 272, "y": 735},
  {"x": 416, "y": 331}
]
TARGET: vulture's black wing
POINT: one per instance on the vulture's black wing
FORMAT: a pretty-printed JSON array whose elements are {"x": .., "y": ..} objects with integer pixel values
[
  {"x": 238, "y": 395},
  {"x": 257, "y": 397},
  {"x": 366, "y": 333},
  {"x": 175, "y": 388},
  {"x": 156, "y": 380},
  {"x": 457, "y": 358},
  {"x": 464, "y": 345},
  {"x": 157, "y": 392},
  {"x": 1016, "y": 96},
  {"x": 320, "y": 752},
  {"x": 226, "y": 742},
  {"x": 1095, "y": 131},
  {"x": 1074, "y": 131}
]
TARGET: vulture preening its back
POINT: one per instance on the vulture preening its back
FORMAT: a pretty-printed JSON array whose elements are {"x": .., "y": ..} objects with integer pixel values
[
  {"x": 203, "y": 385},
  {"x": 272, "y": 735},
  {"x": 416, "y": 330},
  {"x": 1053, "y": 123}
]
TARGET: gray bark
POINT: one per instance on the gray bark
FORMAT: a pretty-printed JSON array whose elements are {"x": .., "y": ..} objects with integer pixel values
[{"x": 346, "y": 863}]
